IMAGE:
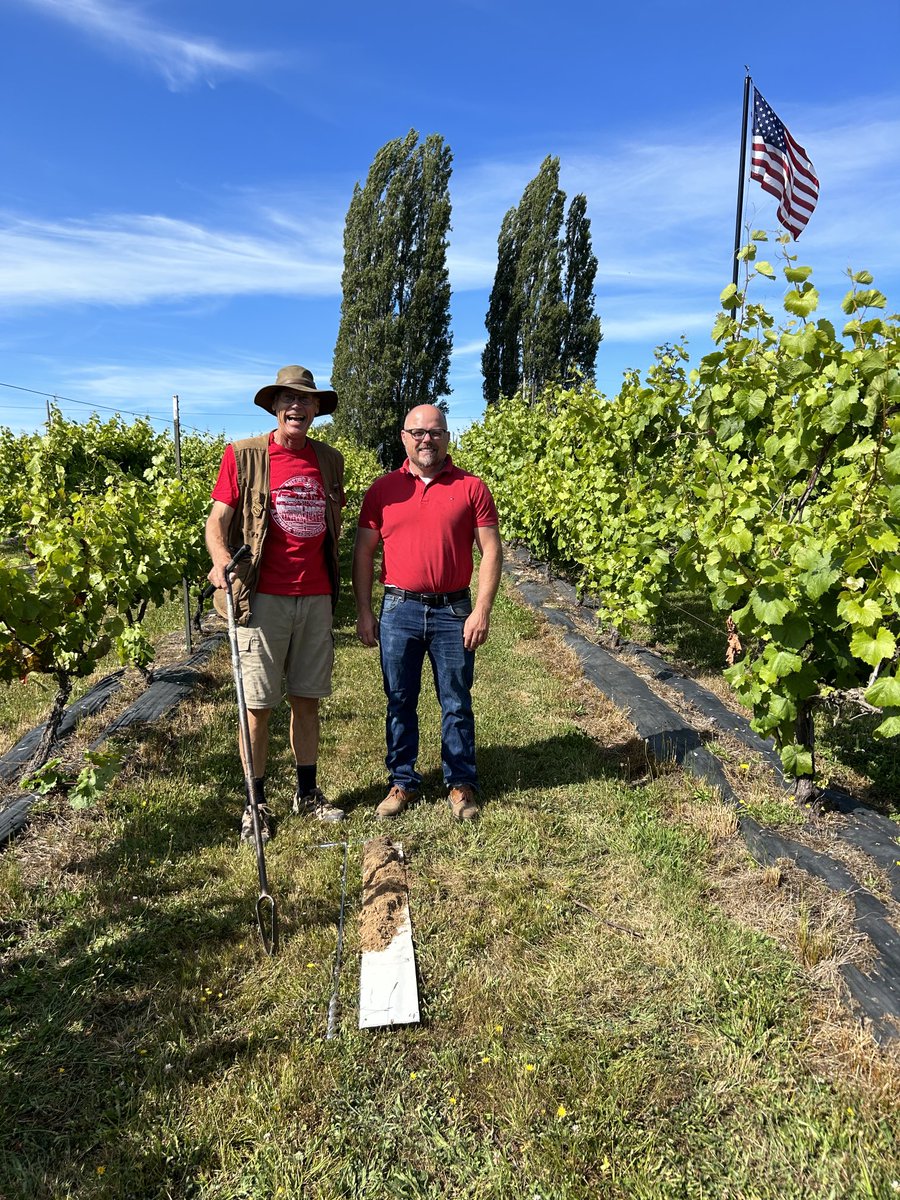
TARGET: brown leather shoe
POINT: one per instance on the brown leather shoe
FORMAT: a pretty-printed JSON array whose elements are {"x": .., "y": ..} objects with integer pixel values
[
  {"x": 463, "y": 805},
  {"x": 395, "y": 802}
]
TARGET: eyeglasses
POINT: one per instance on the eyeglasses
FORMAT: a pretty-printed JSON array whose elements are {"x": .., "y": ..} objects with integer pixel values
[
  {"x": 418, "y": 434},
  {"x": 289, "y": 398}
]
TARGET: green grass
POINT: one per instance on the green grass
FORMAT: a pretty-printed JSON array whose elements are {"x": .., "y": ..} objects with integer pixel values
[
  {"x": 592, "y": 1025},
  {"x": 849, "y": 750}
]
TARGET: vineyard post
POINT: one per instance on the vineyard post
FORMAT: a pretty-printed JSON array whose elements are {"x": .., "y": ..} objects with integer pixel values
[{"x": 188, "y": 642}]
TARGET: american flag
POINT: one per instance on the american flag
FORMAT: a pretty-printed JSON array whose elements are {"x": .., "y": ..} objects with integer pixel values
[{"x": 782, "y": 167}]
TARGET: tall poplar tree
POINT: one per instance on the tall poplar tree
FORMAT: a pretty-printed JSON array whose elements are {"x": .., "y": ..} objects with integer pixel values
[
  {"x": 393, "y": 344},
  {"x": 501, "y": 362},
  {"x": 581, "y": 328},
  {"x": 540, "y": 322},
  {"x": 539, "y": 276}
]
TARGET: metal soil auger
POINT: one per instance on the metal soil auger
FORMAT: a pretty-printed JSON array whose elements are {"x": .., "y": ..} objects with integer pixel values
[
  {"x": 266, "y": 913},
  {"x": 331, "y": 1029}
]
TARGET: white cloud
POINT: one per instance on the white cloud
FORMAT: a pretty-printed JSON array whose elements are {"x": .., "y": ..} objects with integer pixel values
[
  {"x": 661, "y": 212},
  {"x": 469, "y": 349},
  {"x": 141, "y": 259},
  {"x": 181, "y": 60}
]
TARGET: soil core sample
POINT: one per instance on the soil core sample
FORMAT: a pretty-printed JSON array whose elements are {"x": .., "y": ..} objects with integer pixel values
[{"x": 384, "y": 894}]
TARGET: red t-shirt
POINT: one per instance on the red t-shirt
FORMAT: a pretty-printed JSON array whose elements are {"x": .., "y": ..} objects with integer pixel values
[
  {"x": 428, "y": 529},
  {"x": 293, "y": 557}
]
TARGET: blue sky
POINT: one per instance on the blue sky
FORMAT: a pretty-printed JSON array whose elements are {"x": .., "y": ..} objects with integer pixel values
[{"x": 175, "y": 176}]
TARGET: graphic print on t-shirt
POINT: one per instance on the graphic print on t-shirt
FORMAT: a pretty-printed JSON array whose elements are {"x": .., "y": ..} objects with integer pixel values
[{"x": 298, "y": 506}]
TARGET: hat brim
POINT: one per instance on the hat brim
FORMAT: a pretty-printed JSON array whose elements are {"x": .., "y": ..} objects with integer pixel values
[{"x": 265, "y": 397}]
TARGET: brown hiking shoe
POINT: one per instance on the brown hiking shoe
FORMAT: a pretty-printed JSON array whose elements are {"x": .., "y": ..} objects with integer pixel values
[
  {"x": 463, "y": 804},
  {"x": 395, "y": 802}
]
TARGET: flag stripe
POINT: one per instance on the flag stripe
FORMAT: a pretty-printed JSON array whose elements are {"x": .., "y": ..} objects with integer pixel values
[{"x": 781, "y": 166}]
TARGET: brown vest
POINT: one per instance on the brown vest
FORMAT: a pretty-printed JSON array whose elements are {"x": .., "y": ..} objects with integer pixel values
[{"x": 251, "y": 517}]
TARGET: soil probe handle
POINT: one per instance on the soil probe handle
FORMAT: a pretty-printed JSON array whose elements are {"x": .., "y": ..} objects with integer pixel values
[
  {"x": 211, "y": 587},
  {"x": 238, "y": 555},
  {"x": 266, "y": 915}
]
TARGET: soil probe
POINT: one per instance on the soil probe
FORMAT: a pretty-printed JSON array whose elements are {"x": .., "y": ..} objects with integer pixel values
[
  {"x": 331, "y": 1028},
  {"x": 266, "y": 914}
]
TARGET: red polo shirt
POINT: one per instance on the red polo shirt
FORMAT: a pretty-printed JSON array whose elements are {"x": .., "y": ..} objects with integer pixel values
[{"x": 428, "y": 529}]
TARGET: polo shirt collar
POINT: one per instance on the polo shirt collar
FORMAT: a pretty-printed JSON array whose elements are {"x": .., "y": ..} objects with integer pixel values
[{"x": 447, "y": 466}]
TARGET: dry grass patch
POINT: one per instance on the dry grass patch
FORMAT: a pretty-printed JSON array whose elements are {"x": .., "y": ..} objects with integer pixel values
[
  {"x": 801, "y": 913},
  {"x": 715, "y": 820}
]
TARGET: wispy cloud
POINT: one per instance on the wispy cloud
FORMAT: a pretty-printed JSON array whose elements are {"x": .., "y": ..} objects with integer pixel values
[
  {"x": 141, "y": 259},
  {"x": 662, "y": 209},
  {"x": 662, "y": 231},
  {"x": 181, "y": 60},
  {"x": 469, "y": 349}
]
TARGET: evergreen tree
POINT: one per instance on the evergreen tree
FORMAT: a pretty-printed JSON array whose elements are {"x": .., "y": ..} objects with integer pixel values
[
  {"x": 540, "y": 322},
  {"x": 539, "y": 276},
  {"x": 581, "y": 331},
  {"x": 501, "y": 358},
  {"x": 393, "y": 344}
]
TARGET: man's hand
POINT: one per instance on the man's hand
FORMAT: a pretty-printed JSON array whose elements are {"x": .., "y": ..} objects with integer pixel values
[
  {"x": 478, "y": 623},
  {"x": 367, "y": 628},
  {"x": 217, "y": 525},
  {"x": 363, "y": 573},
  {"x": 217, "y": 575},
  {"x": 475, "y": 630}
]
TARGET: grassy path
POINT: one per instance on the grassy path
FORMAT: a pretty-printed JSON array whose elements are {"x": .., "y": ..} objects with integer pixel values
[{"x": 593, "y": 1023}]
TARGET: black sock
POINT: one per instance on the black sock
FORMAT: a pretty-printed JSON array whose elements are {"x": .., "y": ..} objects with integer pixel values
[
  {"x": 306, "y": 779},
  {"x": 259, "y": 786}
]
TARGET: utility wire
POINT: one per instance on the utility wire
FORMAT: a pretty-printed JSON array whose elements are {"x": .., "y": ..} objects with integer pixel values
[
  {"x": 692, "y": 616},
  {"x": 100, "y": 407}
]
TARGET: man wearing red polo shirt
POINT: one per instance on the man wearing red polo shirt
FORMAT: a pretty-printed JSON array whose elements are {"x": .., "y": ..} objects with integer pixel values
[{"x": 428, "y": 515}]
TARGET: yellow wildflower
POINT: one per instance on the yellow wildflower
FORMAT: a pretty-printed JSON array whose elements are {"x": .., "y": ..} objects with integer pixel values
[{"x": 562, "y": 1111}]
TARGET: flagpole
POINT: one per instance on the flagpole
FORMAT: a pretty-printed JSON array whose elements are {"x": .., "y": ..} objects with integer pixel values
[{"x": 740, "y": 196}]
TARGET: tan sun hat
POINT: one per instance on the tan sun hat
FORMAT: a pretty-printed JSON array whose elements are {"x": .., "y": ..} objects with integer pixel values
[{"x": 297, "y": 379}]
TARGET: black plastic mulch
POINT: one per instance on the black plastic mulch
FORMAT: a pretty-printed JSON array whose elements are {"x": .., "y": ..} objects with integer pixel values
[
  {"x": 167, "y": 688},
  {"x": 669, "y": 735},
  {"x": 94, "y": 701}
]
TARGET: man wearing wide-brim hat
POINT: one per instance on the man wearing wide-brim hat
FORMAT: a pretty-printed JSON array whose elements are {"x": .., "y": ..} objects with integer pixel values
[{"x": 282, "y": 495}]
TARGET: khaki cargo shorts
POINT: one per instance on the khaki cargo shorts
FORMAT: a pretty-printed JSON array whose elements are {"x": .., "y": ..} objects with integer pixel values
[{"x": 288, "y": 647}]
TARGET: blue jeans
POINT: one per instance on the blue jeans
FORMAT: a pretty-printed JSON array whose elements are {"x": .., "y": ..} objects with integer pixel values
[{"x": 408, "y": 630}]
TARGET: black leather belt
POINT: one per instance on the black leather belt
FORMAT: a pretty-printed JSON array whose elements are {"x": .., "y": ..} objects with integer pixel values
[{"x": 431, "y": 599}]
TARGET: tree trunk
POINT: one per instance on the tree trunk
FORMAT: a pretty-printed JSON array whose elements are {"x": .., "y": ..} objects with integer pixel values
[
  {"x": 805, "y": 789},
  {"x": 64, "y": 683}
]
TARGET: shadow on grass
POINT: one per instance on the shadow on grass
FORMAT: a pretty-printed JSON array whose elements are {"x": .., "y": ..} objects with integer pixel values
[
  {"x": 507, "y": 770},
  {"x": 95, "y": 1004}
]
